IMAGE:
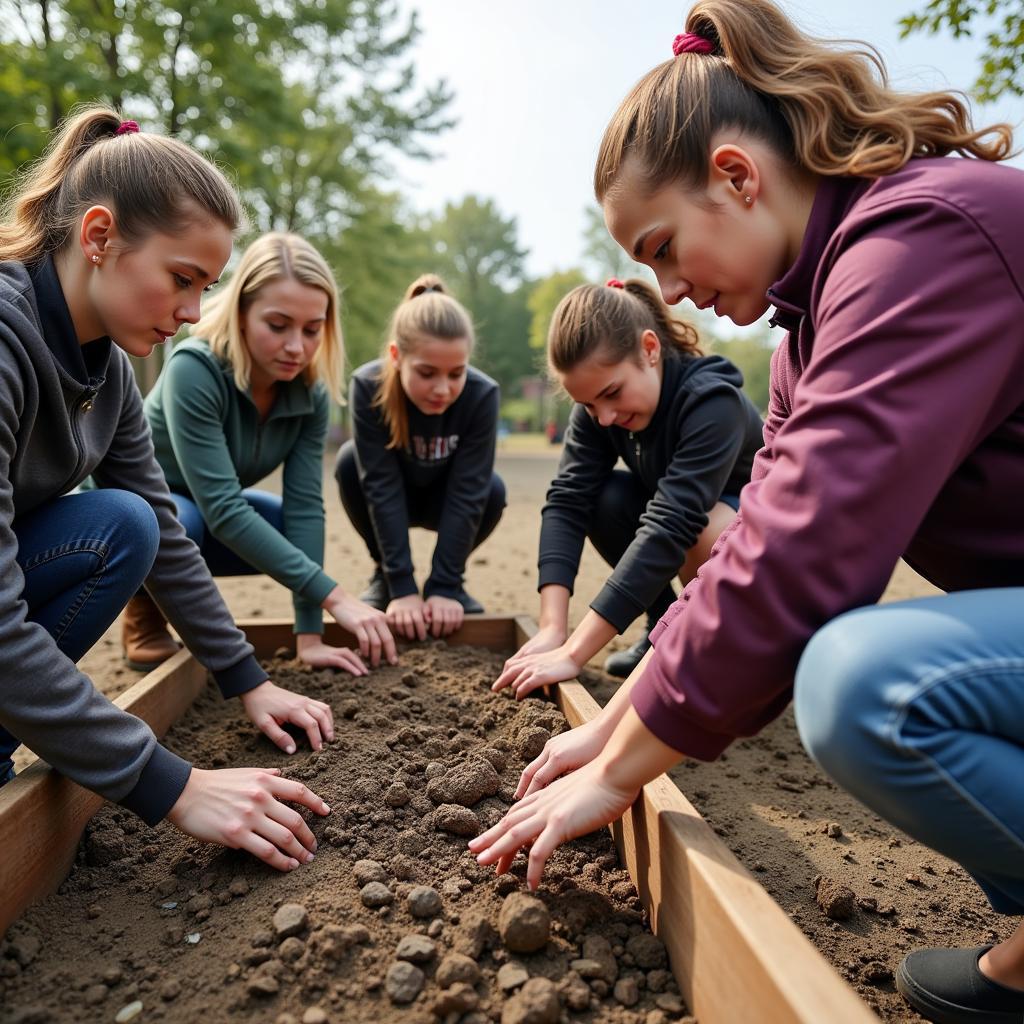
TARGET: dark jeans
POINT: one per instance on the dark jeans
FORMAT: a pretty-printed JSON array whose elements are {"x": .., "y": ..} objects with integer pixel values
[
  {"x": 220, "y": 559},
  {"x": 82, "y": 556},
  {"x": 615, "y": 520},
  {"x": 423, "y": 504}
]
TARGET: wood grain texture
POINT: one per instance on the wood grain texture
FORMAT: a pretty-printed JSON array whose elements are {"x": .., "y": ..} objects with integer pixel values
[{"x": 43, "y": 814}]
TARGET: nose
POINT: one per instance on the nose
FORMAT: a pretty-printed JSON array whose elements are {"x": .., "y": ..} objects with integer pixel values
[
  {"x": 605, "y": 417},
  {"x": 673, "y": 291},
  {"x": 292, "y": 341},
  {"x": 189, "y": 313}
]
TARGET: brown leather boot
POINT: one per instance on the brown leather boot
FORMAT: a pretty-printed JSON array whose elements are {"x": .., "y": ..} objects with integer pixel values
[{"x": 144, "y": 634}]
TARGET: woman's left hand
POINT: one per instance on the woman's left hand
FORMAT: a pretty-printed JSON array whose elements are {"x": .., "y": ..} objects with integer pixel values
[
  {"x": 571, "y": 806},
  {"x": 269, "y": 707},
  {"x": 312, "y": 651},
  {"x": 526, "y": 672},
  {"x": 444, "y": 614}
]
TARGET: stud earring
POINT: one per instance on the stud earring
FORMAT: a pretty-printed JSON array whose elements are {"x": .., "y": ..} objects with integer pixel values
[
  {"x": 95, "y": 258},
  {"x": 748, "y": 199}
]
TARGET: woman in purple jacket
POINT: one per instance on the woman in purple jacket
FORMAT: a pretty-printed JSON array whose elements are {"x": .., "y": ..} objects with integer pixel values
[{"x": 761, "y": 167}]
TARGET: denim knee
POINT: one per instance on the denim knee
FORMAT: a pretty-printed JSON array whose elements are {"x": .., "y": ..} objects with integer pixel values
[
  {"x": 839, "y": 702},
  {"x": 134, "y": 527}
]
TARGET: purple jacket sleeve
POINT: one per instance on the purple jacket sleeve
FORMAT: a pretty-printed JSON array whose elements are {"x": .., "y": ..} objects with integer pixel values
[{"x": 916, "y": 359}]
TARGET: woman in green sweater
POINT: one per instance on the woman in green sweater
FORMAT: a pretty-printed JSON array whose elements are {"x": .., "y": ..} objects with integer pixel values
[{"x": 246, "y": 394}]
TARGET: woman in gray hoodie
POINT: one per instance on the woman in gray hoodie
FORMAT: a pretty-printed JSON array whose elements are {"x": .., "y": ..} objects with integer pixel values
[{"x": 105, "y": 250}]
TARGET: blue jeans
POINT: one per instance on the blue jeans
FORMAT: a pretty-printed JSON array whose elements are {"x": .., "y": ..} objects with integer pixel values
[
  {"x": 917, "y": 708},
  {"x": 221, "y": 560},
  {"x": 82, "y": 556}
]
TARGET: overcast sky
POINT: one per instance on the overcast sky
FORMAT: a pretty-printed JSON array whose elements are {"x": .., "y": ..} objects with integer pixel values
[{"x": 536, "y": 81}]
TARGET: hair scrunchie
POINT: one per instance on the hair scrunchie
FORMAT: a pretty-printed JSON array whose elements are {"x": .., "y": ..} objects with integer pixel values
[
  {"x": 614, "y": 282},
  {"x": 127, "y": 128},
  {"x": 689, "y": 42}
]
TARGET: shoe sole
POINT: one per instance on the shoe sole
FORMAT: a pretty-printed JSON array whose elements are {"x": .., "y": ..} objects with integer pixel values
[
  {"x": 145, "y": 666},
  {"x": 939, "y": 1011}
]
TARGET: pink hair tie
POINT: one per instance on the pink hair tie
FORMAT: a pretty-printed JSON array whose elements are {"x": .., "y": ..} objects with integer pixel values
[
  {"x": 614, "y": 282},
  {"x": 127, "y": 128},
  {"x": 688, "y": 42}
]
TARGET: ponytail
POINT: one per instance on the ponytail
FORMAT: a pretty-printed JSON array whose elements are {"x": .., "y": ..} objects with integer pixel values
[
  {"x": 427, "y": 311},
  {"x": 608, "y": 321},
  {"x": 150, "y": 182},
  {"x": 825, "y": 108}
]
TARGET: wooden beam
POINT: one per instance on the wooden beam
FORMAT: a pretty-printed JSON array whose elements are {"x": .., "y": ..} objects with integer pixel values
[
  {"x": 43, "y": 814},
  {"x": 734, "y": 952}
]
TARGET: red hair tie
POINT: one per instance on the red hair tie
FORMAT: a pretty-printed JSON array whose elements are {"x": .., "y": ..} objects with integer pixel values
[
  {"x": 688, "y": 42},
  {"x": 127, "y": 128},
  {"x": 614, "y": 282}
]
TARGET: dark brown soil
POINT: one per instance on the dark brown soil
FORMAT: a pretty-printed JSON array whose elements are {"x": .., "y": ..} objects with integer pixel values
[{"x": 393, "y": 921}]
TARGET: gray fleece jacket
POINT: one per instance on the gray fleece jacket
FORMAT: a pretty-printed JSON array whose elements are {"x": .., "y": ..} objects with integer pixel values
[{"x": 54, "y": 432}]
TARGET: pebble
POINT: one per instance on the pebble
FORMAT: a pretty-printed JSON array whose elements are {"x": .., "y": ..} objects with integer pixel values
[
  {"x": 397, "y": 795},
  {"x": 512, "y": 976},
  {"x": 314, "y": 1015},
  {"x": 535, "y": 1003},
  {"x": 238, "y": 886},
  {"x": 524, "y": 923},
  {"x": 376, "y": 894},
  {"x": 416, "y": 948},
  {"x": 834, "y": 830},
  {"x": 423, "y": 901},
  {"x": 290, "y": 919},
  {"x": 456, "y": 820},
  {"x": 837, "y": 901},
  {"x": 193, "y": 937},
  {"x": 129, "y": 1012},
  {"x": 291, "y": 949},
  {"x": 170, "y": 990},
  {"x": 94, "y": 995},
  {"x": 647, "y": 951},
  {"x": 627, "y": 991},
  {"x": 403, "y": 982},
  {"x": 367, "y": 871},
  {"x": 457, "y": 1000},
  {"x": 670, "y": 1003},
  {"x": 457, "y": 968}
]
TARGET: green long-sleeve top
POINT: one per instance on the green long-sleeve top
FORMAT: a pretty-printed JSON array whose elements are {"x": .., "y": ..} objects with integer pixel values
[{"x": 211, "y": 444}]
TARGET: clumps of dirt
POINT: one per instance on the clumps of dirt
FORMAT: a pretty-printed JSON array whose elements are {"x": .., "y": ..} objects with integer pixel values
[{"x": 392, "y": 922}]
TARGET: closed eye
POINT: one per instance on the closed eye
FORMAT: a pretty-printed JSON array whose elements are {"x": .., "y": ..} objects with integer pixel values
[{"x": 662, "y": 251}]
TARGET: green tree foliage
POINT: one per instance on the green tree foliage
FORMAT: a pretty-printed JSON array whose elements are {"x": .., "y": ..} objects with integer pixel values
[
  {"x": 752, "y": 354},
  {"x": 1002, "y": 62},
  {"x": 544, "y": 297},
  {"x": 301, "y": 102},
  {"x": 602, "y": 254},
  {"x": 477, "y": 251}
]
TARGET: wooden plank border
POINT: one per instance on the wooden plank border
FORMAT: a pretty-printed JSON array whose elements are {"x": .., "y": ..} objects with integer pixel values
[{"x": 734, "y": 952}]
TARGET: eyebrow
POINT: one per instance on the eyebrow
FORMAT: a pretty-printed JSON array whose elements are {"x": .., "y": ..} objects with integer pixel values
[
  {"x": 280, "y": 312},
  {"x": 604, "y": 391},
  {"x": 638, "y": 248},
  {"x": 198, "y": 270}
]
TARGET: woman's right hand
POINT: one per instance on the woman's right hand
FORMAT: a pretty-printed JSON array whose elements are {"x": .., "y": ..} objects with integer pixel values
[
  {"x": 368, "y": 625},
  {"x": 564, "y": 753},
  {"x": 407, "y": 616},
  {"x": 547, "y": 638},
  {"x": 244, "y": 809}
]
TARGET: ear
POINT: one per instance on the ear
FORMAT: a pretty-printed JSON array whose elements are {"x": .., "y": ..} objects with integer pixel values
[
  {"x": 393, "y": 353},
  {"x": 650, "y": 348},
  {"x": 96, "y": 232},
  {"x": 735, "y": 172}
]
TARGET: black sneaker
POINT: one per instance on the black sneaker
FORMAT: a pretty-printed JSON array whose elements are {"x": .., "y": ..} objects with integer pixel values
[
  {"x": 621, "y": 663},
  {"x": 947, "y": 986},
  {"x": 377, "y": 595}
]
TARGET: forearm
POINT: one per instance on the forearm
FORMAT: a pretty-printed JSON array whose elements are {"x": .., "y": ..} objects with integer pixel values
[
  {"x": 554, "y": 608},
  {"x": 589, "y": 637},
  {"x": 634, "y": 756}
]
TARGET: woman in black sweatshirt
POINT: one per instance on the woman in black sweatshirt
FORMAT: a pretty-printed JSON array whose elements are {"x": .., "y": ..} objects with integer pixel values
[
  {"x": 422, "y": 454},
  {"x": 687, "y": 434}
]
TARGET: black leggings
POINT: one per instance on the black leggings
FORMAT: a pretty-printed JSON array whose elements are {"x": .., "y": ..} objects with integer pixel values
[
  {"x": 423, "y": 504},
  {"x": 614, "y": 523}
]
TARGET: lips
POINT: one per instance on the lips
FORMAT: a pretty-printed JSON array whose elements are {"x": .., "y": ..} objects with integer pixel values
[
  {"x": 709, "y": 302},
  {"x": 164, "y": 335}
]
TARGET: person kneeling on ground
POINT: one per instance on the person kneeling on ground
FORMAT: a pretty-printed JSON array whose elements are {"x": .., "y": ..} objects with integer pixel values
[
  {"x": 424, "y": 424},
  {"x": 687, "y": 434},
  {"x": 246, "y": 394},
  {"x": 105, "y": 249}
]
